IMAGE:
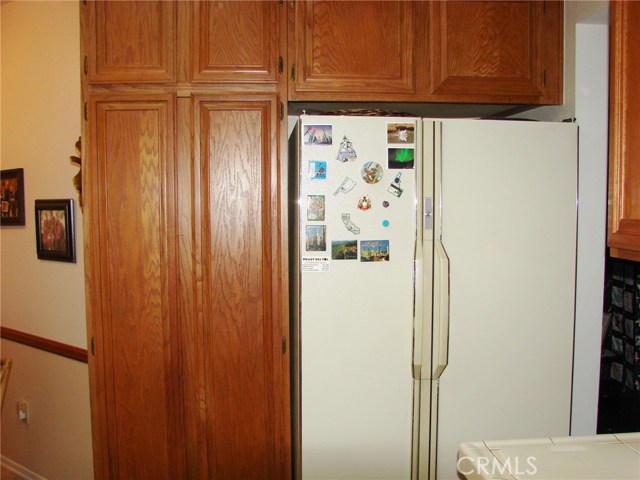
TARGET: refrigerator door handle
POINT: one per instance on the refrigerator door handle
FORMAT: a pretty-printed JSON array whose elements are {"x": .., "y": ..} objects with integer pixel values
[{"x": 440, "y": 311}]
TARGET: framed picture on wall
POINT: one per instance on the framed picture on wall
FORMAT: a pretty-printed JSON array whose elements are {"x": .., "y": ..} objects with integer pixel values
[
  {"x": 12, "y": 197},
  {"x": 54, "y": 230}
]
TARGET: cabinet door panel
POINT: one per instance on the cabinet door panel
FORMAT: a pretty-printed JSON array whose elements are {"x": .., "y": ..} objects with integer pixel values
[
  {"x": 245, "y": 391},
  {"x": 624, "y": 175},
  {"x": 496, "y": 49},
  {"x": 132, "y": 41},
  {"x": 137, "y": 402},
  {"x": 235, "y": 41},
  {"x": 362, "y": 48}
]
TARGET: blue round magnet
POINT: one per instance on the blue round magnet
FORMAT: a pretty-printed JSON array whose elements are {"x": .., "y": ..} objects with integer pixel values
[{"x": 386, "y": 223}]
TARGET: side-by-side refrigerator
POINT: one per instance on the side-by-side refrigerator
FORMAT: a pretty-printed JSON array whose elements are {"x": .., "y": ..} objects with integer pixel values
[{"x": 433, "y": 289}]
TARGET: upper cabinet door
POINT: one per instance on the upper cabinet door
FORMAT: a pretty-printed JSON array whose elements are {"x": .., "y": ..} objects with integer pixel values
[
  {"x": 235, "y": 42},
  {"x": 624, "y": 125},
  {"x": 364, "y": 50},
  {"x": 130, "y": 42},
  {"x": 499, "y": 51}
]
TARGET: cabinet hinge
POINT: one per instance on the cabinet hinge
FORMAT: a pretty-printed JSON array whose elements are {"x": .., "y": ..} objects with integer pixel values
[
  {"x": 280, "y": 65},
  {"x": 281, "y": 111},
  {"x": 293, "y": 71},
  {"x": 93, "y": 346},
  {"x": 86, "y": 64},
  {"x": 86, "y": 115},
  {"x": 284, "y": 345}
]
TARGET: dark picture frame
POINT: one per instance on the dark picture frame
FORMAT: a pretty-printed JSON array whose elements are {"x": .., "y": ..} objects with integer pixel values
[
  {"x": 55, "y": 230},
  {"x": 12, "y": 197}
]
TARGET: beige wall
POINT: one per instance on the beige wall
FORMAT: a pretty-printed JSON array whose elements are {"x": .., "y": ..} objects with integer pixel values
[{"x": 40, "y": 122}]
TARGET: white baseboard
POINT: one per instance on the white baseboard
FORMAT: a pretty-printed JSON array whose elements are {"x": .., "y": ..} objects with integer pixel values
[{"x": 19, "y": 470}]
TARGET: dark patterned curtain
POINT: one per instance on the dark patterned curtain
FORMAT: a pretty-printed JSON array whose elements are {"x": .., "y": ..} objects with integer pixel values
[{"x": 619, "y": 405}]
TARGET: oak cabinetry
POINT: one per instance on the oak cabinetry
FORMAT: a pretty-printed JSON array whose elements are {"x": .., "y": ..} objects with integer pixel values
[
  {"x": 436, "y": 51},
  {"x": 624, "y": 124},
  {"x": 186, "y": 231},
  {"x": 167, "y": 42},
  {"x": 365, "y": 50},
  {"x": 497, "y": 51}
]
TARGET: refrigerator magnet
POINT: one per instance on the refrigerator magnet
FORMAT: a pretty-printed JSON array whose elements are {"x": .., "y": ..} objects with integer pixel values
[
  {"x": 374, "y": 251},
  {"x": 315, "y": 208},
  {"x": 401, "y": 158},
  {"x": 346, "y": 153},
  {"x": 318, "y": 135},
  {"x": 352, "y": 227},
  {"x": 317, "y": 170},
  {"x": 364, "y": 203},
  {"x": 344, "y": 249},
  {"x": 316, "y": 238},
  {"x": 394, "y": 188},
  {"x": 401, "y": 133},
  {"x": 346, "y": 185},
  {"x": 371, "y": 172},
  {"x": 318, "y": 264}
]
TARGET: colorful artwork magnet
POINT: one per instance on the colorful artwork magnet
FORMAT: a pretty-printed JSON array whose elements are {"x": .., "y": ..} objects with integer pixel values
[
  {"x": 344, "y": 249},
  {"x": 316, "y": 238},
  {"x": 318, "y": 134},
  {"x": 364, "y": 203},
  {"x": 401, "y": 132},
  {"x": 374, "y": 251},
  {"x": 346, "y": 152},
  {"x": 371, "y": 172},
  {"x": 401, "y": 158},
  {"x": 317, "y": 170},
  {"x": 315, "y": 208}
]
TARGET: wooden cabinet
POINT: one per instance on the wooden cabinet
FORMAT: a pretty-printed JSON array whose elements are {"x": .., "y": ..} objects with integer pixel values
[
  {"x": 188, "y": 42},
  {"x": 437, "y": 51},
  {"x": 365, "y": 50},
  {"x": 624, "y": 124},
  {"x": 185, "y": 240},
  {"x": 132, "y": 274},
  {"x": 132, "y": 42},
  {"x": 235, "y": 42},
  {"x": 496, "y": 51}
]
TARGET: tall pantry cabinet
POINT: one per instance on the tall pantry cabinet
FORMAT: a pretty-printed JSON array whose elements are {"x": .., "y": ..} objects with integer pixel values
[{"x": 184, "y": 209}]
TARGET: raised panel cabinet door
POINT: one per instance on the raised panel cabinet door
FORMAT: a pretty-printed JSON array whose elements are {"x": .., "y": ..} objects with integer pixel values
[
  {"x": 497, "y": 51},
  {"x": 235, "y": 42},
  {"x": 364, "y": 50},
  {"x": 129, "y": 41},
  {"x": 244, "y": 411},
  {"x": 132, "y": 280},
  {"x": 624, "y": 159}
]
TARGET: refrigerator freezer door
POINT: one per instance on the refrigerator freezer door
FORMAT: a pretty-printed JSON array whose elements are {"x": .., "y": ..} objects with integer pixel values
[{"x": 357, "y": 215}]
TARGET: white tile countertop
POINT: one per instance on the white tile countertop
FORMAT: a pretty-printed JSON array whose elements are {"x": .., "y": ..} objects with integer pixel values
[{"x": 595, "y": 457}]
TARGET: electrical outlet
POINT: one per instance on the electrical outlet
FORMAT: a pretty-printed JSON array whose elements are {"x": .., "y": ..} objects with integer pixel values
[{"x": 22, "y": 410}]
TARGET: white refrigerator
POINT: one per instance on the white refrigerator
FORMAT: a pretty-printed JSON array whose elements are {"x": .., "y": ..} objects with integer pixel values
[{"x": 433, "y": 281}]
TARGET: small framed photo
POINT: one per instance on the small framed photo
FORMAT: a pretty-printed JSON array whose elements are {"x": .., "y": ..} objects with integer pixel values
[
  {"x": 54, "y": 230},
  {"x": 12, "y": 198}
]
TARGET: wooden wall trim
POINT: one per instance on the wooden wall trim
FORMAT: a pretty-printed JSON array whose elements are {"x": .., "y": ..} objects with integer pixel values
[{"x": 46, "y": 344}]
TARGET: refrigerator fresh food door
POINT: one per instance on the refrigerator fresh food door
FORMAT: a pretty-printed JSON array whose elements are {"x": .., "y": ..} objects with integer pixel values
[
  {"x": 509, "y": 227},
  {"x": 357, "y": 217}
]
